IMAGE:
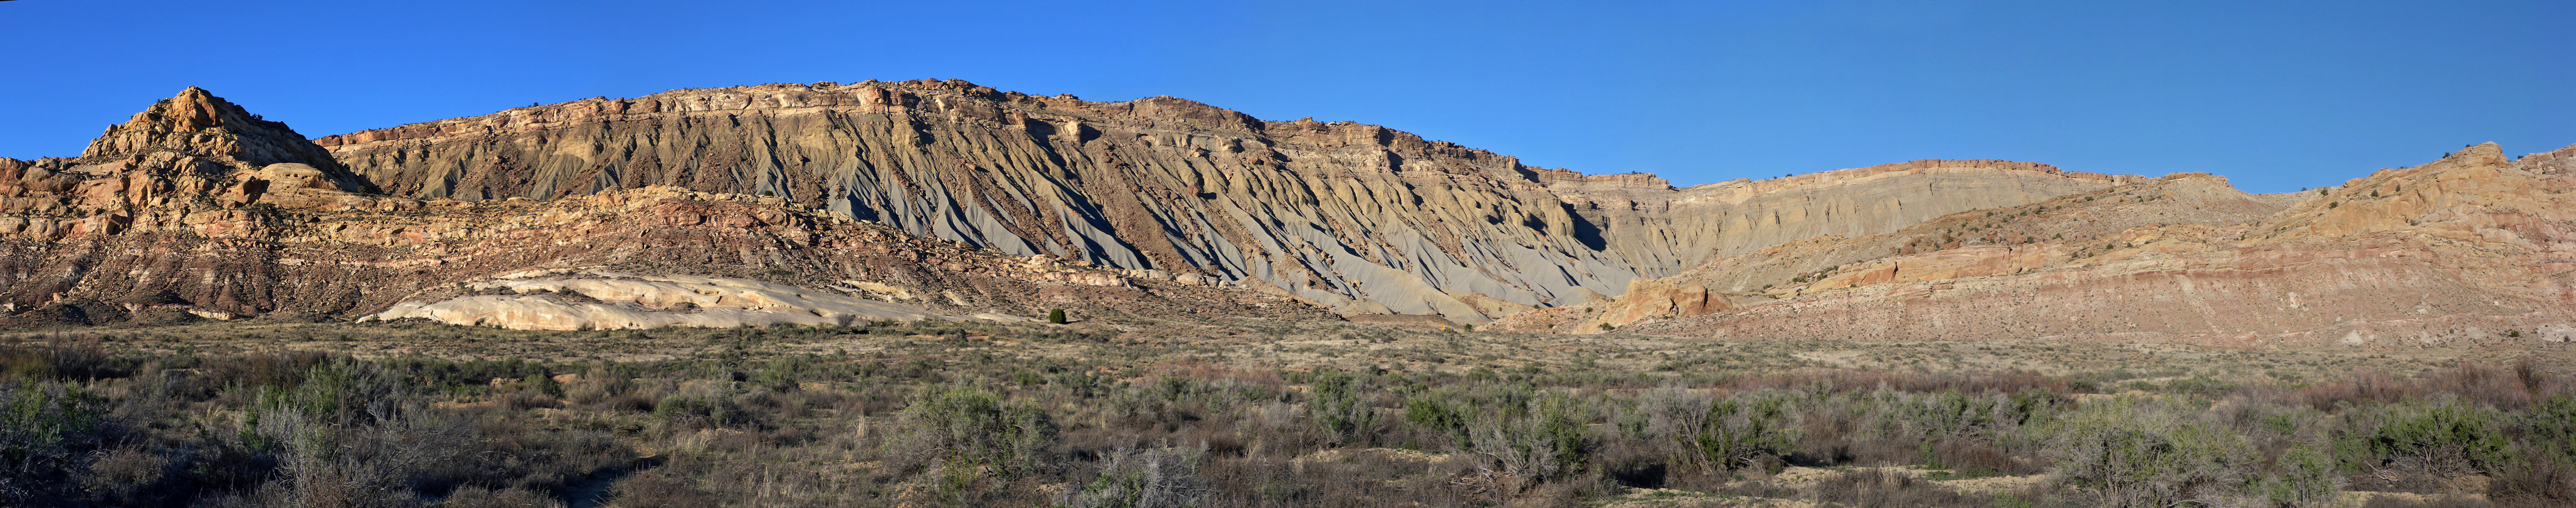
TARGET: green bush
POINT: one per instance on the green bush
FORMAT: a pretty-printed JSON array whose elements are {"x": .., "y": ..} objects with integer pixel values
[
  {"x": 2447, "y": 439},
  {"x": 1339, "y": 405},
  {"x": 44, "y": 427},
  {"x": 1055, "y": 316},
  {"x": 1540, "y": 440},
  {"x": 966, "y": 428},
  {"x": 2135, "y": 452},
  {"x": 1440, "y": 412},
  {"x": 2551, "y": 425},
  {"x": 1747, "y": 430},
  {"x": 2303, "y": 477}
]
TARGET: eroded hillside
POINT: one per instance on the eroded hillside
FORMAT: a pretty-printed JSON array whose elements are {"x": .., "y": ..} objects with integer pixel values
[
  {"x": 2473, "y": 247},
  {"x": 197, "y": 208},
  {"x": 1353, "y": 217}
]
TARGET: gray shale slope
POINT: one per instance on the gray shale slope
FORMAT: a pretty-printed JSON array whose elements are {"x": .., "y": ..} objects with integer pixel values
[{"x": 1357, "y": 218}]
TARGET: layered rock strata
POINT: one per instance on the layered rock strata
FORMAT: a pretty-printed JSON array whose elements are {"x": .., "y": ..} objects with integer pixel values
[
  {"x": 196, "y": 208},
  {"x": 1358, "y": 218},
  {"x": 2474, "y": 247}
]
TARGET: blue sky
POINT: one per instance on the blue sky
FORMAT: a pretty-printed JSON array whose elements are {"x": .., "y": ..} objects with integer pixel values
[{"x": 2276, "y": 95}]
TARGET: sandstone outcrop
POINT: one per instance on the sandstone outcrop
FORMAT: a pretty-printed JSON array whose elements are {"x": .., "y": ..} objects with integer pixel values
[
  {"x": 196, "y": 208},
  {"x": 609, "y": 300},
  {"x": 2474, "y": 247},
  {"x": 1358, "y": 218}
]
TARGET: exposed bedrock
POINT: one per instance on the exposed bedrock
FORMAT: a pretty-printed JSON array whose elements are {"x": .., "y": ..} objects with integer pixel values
[
  {"x": 2474, "y": 248},
  {"x": 196, "y": 208},
  {"x": 610, "y": 300},
  {"x": 1357, "y": 218}
]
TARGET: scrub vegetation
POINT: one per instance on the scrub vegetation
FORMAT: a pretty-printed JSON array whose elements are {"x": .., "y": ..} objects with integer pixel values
[{"x": 1034, "y": 415}]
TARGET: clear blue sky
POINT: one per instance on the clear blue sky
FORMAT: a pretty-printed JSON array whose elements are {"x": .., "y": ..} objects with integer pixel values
[{"x": 2278, "y": 96}]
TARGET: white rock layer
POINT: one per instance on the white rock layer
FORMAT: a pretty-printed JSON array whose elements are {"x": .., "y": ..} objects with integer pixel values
[{"x": 626, "y": 301}]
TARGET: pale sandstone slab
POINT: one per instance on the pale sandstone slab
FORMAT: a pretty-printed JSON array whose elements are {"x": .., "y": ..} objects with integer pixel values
[{"x": 625, "y": 301}]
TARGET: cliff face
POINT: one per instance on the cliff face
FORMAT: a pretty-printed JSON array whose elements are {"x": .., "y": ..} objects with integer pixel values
[
  {"x": 198, "y": 208},
  {"x": 1358, "y": 218},
  {"x": 2472, "y": 248}
]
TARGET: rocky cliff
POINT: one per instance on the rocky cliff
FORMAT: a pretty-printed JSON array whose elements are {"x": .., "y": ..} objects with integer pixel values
[
  {"x": 1357, "y": 218},
  {"x": 2475, "y": 247},
  {"x": 197, "y": 208}
]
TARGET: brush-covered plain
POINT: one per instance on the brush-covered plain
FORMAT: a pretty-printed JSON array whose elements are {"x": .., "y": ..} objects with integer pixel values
[{"x": 1250, "y": 413}]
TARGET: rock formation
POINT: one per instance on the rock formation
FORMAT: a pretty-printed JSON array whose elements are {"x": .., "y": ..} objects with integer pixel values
[
  {"x": 832, "y": 204},
  {"x": 2473, "y": 247},
  {"x": 196, "y": 208},
  {"x": 1358, "y": 218},
  {"x": 600, "y": 300}
]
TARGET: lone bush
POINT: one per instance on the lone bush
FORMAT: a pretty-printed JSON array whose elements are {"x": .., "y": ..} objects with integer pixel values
[
  {"x": 965, "y": 428},
  {"x": 1748, "y": 430},
  {"x": 1340, "y": 406},
  {"x": 2135, "y": 453}
]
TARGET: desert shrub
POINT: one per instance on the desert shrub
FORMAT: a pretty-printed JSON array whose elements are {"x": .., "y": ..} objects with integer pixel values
[
  {"x": 2142, "y": 452},
  {"x": 2541, "y": 468},
  {"x": 403, "y": 452},
  {"x": 124, "y": 475},
  {"x": 2535, "y": 480},
  {"x": 541, "y": 384},
  {"x": 1530, "y": 443},
  {"x": 1748, "y": 430},
  {"x": 2448, "y": 438},
  {"x": 1952, "y": 425},
  {"x": 1650, "y": 439},
  {"x": 59, "y": 357},
  {"x": 2551, "y": 426},
  {"x": 1154, "y": 478},
  {"x": 703, "y": 405},
  {"x": 967, "y": 428},
  {"x": 600, "y": 384},
  {"x": 2304, "y": 476},
  {"x": 1340, "y": 406},
  {"x": 44, "y": 427},
  {"x": 1443, "y": 414}
]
